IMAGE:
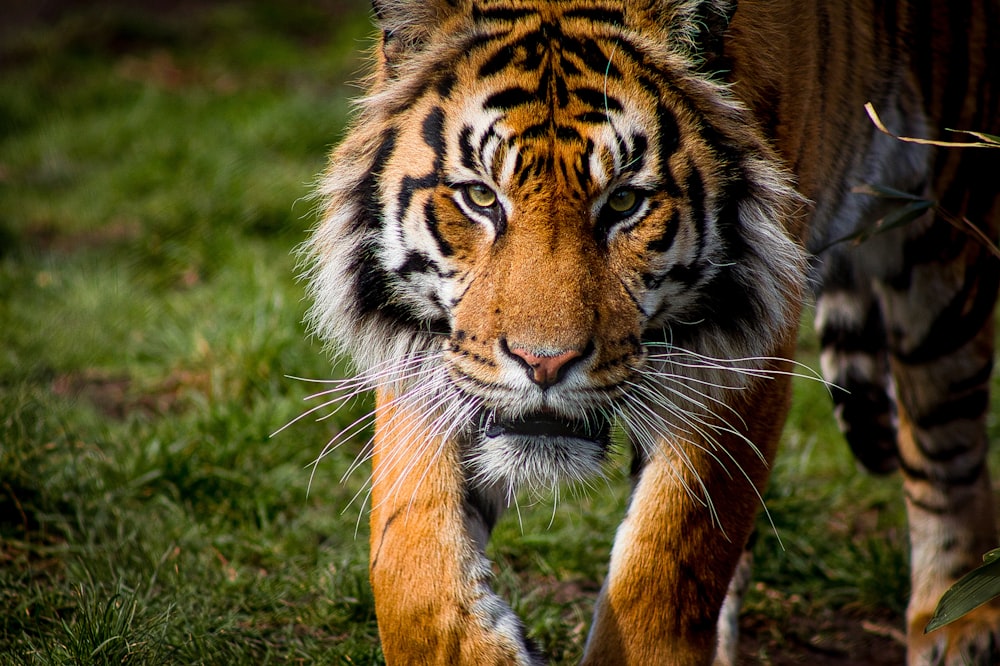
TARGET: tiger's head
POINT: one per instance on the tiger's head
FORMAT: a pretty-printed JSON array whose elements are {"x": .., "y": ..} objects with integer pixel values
[{"x": 547, "y": 218}]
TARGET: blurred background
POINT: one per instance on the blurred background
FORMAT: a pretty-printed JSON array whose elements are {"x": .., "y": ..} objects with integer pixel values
[{"x": 156, "y": 165}]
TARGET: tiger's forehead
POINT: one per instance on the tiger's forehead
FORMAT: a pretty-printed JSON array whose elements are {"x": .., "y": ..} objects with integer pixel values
[
  {"x": 551, "y": 87},
  {"x": 553, "y": 65}
]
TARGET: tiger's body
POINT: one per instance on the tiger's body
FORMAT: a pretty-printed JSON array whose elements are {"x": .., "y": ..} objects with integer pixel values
[{"x": 550, "y": 217}]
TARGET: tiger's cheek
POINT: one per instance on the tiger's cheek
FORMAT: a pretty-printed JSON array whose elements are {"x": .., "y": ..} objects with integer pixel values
[{"x": 643, "y": 256}]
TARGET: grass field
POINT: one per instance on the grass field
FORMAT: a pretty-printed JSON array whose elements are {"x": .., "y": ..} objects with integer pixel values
[{"x": 155, "y": 169}]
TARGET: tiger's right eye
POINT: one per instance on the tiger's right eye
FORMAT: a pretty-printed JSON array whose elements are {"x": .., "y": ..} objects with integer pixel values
[
  {"x": 624, "y": 201},
  {"x": 480, "y": 195}
]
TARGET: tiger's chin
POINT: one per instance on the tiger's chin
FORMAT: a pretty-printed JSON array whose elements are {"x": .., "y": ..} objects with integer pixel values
[{"x": 538, "y": 450}]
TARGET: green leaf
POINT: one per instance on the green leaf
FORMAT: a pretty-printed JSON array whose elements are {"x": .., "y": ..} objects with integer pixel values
[
  {"x": 971, "y": 591},
  {"x": 902, "y": 215},
  {"x": 896, "y": 218}
]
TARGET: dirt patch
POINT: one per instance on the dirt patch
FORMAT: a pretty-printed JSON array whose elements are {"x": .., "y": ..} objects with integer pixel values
[
  {"x": 821, "y": 638},
  {"x": 48, "y": 238},
  {"x": 793, "y": 634},
  {"x": 115, "y": 395}
]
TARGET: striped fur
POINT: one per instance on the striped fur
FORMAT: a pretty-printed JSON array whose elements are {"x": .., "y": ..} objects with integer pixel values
[{"x": 549, "y": 218}]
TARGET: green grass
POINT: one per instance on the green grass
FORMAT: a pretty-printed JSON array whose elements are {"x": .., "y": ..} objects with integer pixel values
[{"x": 154, "y": 175}]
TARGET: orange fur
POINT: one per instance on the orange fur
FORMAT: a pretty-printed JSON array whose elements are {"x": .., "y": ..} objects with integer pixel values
[
  {"x": 426, "y": 569},
  {"x": 671, "y": 566}
]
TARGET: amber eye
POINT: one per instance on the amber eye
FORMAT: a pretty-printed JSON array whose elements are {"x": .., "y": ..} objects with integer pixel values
[
  {"x": 623, "y": 201},
  {"x": 480, "y": 196}
]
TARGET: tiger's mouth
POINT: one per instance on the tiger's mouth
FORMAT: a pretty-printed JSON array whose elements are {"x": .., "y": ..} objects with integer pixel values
[
  {"x": 596, "y": 430},
  {"x": 538, "y": 449}
]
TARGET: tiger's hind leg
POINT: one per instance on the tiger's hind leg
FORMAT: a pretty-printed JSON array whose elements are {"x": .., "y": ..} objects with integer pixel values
[
  {"x": 939, "y": 318},
  {"x": 854, "y": 359},
  {"x": 907, "y": 326}
]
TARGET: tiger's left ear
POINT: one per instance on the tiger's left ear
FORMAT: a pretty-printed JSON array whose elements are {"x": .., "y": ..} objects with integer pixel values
[
  {"x": 698, "y": 25},
  {"x": 407, "y": 25}
]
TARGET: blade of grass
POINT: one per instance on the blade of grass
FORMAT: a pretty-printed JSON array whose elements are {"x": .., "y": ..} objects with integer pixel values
[{"x": 989, "y": 141}]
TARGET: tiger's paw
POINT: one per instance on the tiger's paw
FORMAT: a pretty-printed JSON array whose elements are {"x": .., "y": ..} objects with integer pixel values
[{"x": 973, "y": 640}]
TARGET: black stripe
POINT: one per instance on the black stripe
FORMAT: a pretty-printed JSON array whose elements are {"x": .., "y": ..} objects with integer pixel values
[
  {"x": 596, "y": 99},
  {"x": 598, "y": 15},
  {"x": 622, "y": 146},
  {"x": 374, "y": 294},
  {"x": 971, "y": 406},
  {"x": 372, "y": 215},
  {"x": 666, "y": 239},
  {"x": 626, "y": 47},
  {"x": 687, "y": 274},
  {"x": 865, "y": 406},
  {"x": 430, "y": 215},
  {"x": 590, "y": 55},
  {"x": 446, "y": 83},
  {"x": 592, "y": 117},
  {"x": 510, "y": 98},
  {"x": 410, "y": 185},
  {"x": 582, "y": 167},
  {"x": 525, "y": 172},
  {"x": 695, "y": 191},
  {"x": 653, "y": 280},
  {"x": 568, "y": 133},
  {"x": 887, "y": 25},
  {"x": 670, "y": 134},
  {"x": 943, "y": 478},
  {"x": 944, "y": 453},
  {"x": 562, "y": 92},
  {"x": 497, "y": 62},
  {"x": 432, "y": 131},
  {"x": 537, "y": 131},
  {"x": 727, "y": 300},
  {"x": 505, "y": 14},
  {"x": 534, "y": 45},
  {"x": 636, "y": 158},
  {"x": 489, "y": 136},
  {"x": 417, "y": 262},
  {"x": 567, "y": 66},
  {"x": 930, "y": 508},
  {"x": 466, "y": 153},
  {"x": 869, "y": 338},
  {"x": 977, "y": 379},
  {"x": 638, "y": 305},
  {"x": 964, "y": 316},
  {"x": 483, "y": 40},
  {"x": 666, "y": 147}
]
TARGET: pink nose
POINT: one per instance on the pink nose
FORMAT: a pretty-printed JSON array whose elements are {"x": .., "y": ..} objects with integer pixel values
[{"x": 545, "y": 369}]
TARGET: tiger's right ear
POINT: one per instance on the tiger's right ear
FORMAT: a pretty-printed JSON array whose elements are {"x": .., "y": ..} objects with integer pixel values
[{"x": 407, "y": 25}]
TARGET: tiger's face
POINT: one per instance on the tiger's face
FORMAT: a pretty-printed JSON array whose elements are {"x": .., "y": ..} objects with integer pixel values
[{"x": 550, "y": 232}]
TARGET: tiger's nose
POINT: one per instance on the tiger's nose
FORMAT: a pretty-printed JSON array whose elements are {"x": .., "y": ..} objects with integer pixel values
[{"x": 545, "y": 369}]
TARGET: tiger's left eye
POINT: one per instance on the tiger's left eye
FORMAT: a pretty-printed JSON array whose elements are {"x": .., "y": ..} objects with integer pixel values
[
  {"x": 624, "y": 201},
  {"x": 480, "y": 195}
]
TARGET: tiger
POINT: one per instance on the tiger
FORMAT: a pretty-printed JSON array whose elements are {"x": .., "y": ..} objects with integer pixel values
[{"x": 555, "y": 225}]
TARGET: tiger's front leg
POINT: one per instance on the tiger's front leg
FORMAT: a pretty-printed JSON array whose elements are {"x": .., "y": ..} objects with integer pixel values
[
  {"x": 674, "y": 556},
  {"x": 428, "y": 572}
]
